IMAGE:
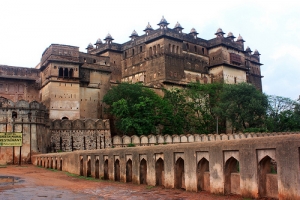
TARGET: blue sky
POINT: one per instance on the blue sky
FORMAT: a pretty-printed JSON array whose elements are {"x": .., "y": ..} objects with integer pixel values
[{"x": 271, "y": 27}]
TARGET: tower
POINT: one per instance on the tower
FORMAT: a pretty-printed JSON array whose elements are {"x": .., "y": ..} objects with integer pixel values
[{"x": 60, "y": 81}]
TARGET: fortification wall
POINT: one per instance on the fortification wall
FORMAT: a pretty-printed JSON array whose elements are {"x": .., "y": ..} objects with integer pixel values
[
  {"x": 150, "y": 140},
  {"x": 252, "y": 167},
  {"x": 31, "y": 119},
  {"x": 89, "y": 134}
]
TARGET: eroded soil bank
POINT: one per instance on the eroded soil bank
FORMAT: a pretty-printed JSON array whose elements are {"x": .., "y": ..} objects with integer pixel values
[{"x": 32, "y": 182}]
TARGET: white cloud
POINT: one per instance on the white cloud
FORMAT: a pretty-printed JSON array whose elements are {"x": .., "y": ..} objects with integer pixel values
[
  {"x": 285, "y": 50},
  {"x": 272, "y": 27}
]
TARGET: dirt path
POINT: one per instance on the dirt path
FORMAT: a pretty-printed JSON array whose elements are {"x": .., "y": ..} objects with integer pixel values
[{"x": 32, "y": 182}]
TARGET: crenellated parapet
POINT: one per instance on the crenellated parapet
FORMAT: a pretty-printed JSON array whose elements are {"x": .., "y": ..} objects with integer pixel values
[
  {"x": 24, "y": 73},
  {"x": 59, "y": 52},
  {"x": 80, "y": 134},
  {"x": 29, "y": 118},
  {"x": 23, "y": 111},
  {"x": 80, "y": 124},
  {"x": 150, "y": 140}
]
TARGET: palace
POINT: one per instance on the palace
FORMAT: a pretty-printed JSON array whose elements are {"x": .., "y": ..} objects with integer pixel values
[
  {"x": 71, "y": 84},
  {"x": 58, "y": 104}
]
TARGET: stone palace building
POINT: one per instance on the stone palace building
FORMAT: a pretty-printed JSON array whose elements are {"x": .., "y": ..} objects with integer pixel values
[{"x": 67, "y": 86}]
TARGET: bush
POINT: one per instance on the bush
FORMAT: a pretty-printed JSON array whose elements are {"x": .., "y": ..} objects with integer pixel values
[{"x": 131, "y": 145}]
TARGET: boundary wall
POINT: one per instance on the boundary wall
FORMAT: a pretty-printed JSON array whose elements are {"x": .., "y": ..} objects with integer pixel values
[
  {"x": 31, "y": 119},
  {"x": 118, "y": 141},
  {"x": 80, "y": 134},
  {"x": 250, "y": 167}
]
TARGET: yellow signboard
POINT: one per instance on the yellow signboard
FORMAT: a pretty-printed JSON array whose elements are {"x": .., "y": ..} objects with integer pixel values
[{"x": 11, "y": 139}]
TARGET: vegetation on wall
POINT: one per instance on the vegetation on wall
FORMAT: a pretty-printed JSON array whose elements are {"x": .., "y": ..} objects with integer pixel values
[{"x": 199, "y": 108}]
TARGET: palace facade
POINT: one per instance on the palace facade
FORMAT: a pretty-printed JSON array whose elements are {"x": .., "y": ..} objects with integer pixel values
[{"x": 71, "y": 84}]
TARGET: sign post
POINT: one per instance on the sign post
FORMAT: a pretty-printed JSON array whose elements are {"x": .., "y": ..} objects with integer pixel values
[{"x": 11, "y": 139}]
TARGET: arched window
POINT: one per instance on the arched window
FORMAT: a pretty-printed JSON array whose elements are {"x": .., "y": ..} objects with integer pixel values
[
  {"x": 132, "y": 51},
  {"x": 129, "y": 171},
  {"x": 179, "y": 176},
  {"x": 177, "y": 50},
  {"x": 195, "y": 48},
  {"x": 60, "y": 72},
  {"x": 202, "y": 50},
  {"x": 187, "y": 47},
  {"x": 125, "y": 54},
  {"x": 94, "y": 61},
  {"x": 203, "y": 175},
  {"x": 141, "y": 49},
  {"x": 170, "y": 49},
  {"x": 173, "y": 49},
  {"x": 232, "y": 169},
  {"x": 159, "y": 172},
  {"x": 150, "y": 51},
  {"x": 158, "y": 48},
  {"x": 71, "y": 73},
  {"x": 154, "y": 50},
  {"x": 66, "y": 72}
]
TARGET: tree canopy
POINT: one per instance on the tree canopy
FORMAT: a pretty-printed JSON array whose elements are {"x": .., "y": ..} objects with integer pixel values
[
  {"x": 198, "y": 108},
  {"x": 134, "y": 107},
  {"x": 283, "y": 114},
  {"x": 242, "y": 106}
]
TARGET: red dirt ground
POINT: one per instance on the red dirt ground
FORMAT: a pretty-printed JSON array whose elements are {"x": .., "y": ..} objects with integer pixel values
[{"x": 40, "y": 183}]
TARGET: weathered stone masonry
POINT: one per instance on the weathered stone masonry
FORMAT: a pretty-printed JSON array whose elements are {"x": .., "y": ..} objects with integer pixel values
[
  {"x": 241, "y": 166},
  {"x": 41, "y": 135},
  {"x": 31, "y": 119},
  {"x": 67, "y": 135}
]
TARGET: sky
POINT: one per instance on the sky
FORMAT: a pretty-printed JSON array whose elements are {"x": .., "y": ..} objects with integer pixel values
[{"x": 28, "y": 27}]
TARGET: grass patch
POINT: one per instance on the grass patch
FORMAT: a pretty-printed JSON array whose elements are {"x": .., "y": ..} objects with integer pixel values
[
  {"x": 70, "y": 174},
  {"x": 82, "y": 177},
  {"x": 3, "y": 166},
  {"x": 149, "y": 187},
  {"x": 54, "y": 170}
]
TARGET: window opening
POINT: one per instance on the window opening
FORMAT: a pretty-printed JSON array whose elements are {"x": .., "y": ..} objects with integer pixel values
[
  {"x": 66, "y": 72},
  {"x": 60, "y": 72},
  {"x": 14, "y": 115}
]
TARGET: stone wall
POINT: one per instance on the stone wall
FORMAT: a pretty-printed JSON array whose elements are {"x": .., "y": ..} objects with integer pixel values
[
  {"x": 31, "y": 119},
  {"x": 118, "y": 141},
  {"x": 89, "y": 134},
  {"x": 19, "y": 83},
  {"x": 244, "y": 166}
]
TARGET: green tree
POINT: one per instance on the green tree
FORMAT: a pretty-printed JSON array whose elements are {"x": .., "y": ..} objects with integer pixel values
[
  {"x": 135, "y": 108},
  {"x": 283, "y": 114},
  {"x": 242, "y": 106},
  {"x": 173, "y": 112},
  {"x": 203, "y": 101}
]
